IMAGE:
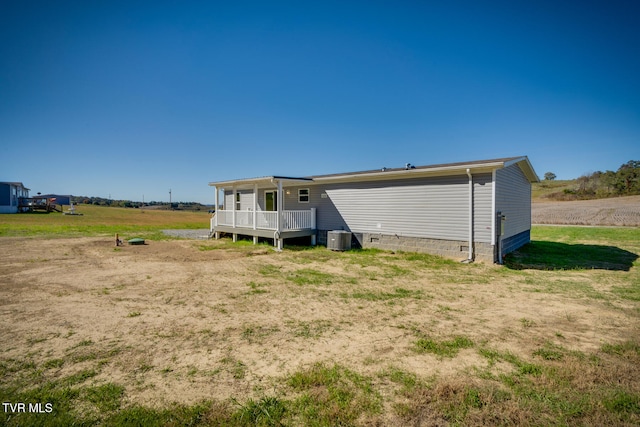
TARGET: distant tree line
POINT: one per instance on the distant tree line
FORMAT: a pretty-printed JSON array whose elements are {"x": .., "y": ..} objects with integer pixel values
[
  {"x": 101, "y": 201},
  {"x": 623, "y": 182}
]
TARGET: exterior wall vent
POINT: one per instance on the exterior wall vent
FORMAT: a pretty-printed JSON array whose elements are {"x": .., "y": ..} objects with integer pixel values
[{"x": 339, "y": 240}]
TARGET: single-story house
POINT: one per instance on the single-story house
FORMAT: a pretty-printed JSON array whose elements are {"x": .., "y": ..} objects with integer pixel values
[
  {"x": 57, "y": 199},
  {"x": 478, "y": 210},
  {"x": 10, "y": 195}
]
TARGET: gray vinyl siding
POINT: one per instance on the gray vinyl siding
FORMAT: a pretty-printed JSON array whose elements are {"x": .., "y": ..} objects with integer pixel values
[
  {"x": 421, "y": 209},
  {"x": 246, "y": 199},
  {"x": 482, "y": 194},
  {"x": 513, "y": 199},
  {"x": 228, "y": 199},
  {"x": 435, "y": 208}
]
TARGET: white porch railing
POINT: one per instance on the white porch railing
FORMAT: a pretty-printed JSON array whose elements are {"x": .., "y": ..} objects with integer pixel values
[
  {"x": 268, "y": 220},
  {"x": 299, "y": 220}
]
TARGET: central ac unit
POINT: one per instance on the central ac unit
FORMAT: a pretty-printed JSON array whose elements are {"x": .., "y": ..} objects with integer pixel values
[{"x": 339, "y": 240}]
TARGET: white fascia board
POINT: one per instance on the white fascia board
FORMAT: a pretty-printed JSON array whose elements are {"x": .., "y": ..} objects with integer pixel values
[
  {"x": 411, "y": 173},
  {"x": 525, "y": 165},
  {"x": 240, "y": 182},
  {"x": 264, "y": 181}
]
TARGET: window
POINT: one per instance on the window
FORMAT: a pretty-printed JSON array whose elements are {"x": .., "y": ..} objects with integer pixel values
[
  {"x": 303, "y": 195},
  {"x": 238, "y": 204}
]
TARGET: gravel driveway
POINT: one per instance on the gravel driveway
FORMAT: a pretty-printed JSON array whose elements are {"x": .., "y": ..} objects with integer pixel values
[{"x": 200, "y": 233}]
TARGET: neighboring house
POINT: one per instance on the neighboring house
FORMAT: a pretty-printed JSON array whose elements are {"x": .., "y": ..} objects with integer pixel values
[
  {"x": 10, "y": 195},
  {"x": 472, "y": 210}
]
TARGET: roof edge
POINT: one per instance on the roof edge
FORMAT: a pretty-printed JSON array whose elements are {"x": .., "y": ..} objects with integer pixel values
[
  {"x": 393, "y": 173},
  {"x": 525, "y": 165},
  {"x": 432, "y": 170},
  {"x": 259, "y": 180}
]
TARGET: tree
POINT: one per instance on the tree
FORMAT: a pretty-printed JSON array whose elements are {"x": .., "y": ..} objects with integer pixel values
[
  {"x": 631, "y": 164},
  {"x": 549, "y": 176},
  {"x": 629, "y": 177}
]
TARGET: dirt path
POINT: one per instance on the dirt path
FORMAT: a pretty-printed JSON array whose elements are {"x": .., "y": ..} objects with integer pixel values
[{"x": 620, "y": 211}]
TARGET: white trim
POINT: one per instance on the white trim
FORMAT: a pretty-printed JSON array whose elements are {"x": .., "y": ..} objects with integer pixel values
[
  {"x": 290, "y": 220},
  {"x": 280, "y": 206},
  {"x": 410, "y": 173},
  {"x": 216, "y": 207},
  {"x": 470, "y": 214},
  {"x": 525, "y": 166},
  {"x": 514, "y": 161},
  {"x": 388, "y": 174},
  {"x": 255, "y": 205},
  {"x": 493, "y": 208},
  {"x": 247, "y": 183},
  {"x": 308, "y": 195},
  {"x": 233, "y": 207}
]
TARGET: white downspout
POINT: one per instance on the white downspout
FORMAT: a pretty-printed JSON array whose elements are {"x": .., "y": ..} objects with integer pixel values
[
  {"x": 470, "y": 259},
  {"x": 493, "y": 207},
  {"x": 494, "y": 214}
]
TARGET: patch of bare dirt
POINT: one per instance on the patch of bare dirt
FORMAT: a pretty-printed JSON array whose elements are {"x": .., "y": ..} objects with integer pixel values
[{"x": 620, "y": 211}]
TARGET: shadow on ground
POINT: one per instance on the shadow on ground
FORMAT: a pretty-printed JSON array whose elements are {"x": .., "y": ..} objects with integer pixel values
[{"x": 540, "y": 255}]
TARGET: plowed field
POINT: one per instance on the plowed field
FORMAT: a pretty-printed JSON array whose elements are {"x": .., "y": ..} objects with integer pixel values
[{"x": 619, "y": 211}]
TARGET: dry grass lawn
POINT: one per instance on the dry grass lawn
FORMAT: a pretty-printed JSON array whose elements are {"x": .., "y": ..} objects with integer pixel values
[{"x": 369, "y": 338}]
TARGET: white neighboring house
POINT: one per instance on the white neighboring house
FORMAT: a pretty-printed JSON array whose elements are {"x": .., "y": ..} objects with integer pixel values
[{"x": 10, "y": 195}]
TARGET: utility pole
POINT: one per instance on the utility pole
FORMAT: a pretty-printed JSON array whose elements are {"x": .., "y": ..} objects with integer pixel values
[{"x": 170, "y": 205}]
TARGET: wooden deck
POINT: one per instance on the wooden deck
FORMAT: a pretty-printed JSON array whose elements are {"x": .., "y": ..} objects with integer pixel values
[
  {"x": 261, "y": 232},
  {"x": 274, "y": 225},
  {"x": 32, "y": 204}
]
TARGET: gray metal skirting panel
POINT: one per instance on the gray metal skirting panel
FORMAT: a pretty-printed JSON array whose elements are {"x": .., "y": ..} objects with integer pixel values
[{"x": 512, "y": 243}]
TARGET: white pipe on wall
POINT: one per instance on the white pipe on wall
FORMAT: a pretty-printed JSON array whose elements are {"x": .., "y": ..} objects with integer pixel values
[{"x": 470, "y": 215}]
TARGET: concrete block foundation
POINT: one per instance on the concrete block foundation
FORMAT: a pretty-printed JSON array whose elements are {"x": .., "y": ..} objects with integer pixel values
[{"x": 454, "y": 249}]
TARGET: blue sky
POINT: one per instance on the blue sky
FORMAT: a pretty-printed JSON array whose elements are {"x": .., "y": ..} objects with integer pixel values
[{"x": 135, "y": 98}]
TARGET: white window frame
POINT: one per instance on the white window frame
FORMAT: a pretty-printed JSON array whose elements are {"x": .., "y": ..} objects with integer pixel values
[{"x": 308, "y": 195}]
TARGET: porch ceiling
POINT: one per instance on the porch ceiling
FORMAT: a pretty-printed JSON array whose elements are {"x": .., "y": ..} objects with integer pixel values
[{"x": 261, "y": 182}]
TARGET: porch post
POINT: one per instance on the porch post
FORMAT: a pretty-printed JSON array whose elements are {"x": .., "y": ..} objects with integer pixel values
[
  {"x": 233, "y": 208},
  {"x": 313, "y": 226},
  {"x": 255, "y": 205},
  {"x": 313, "y": 218},
  {"x": 215, "y": 207},
  {"x": 280, "y": 202},
  {"x": 255, "y": 211}
]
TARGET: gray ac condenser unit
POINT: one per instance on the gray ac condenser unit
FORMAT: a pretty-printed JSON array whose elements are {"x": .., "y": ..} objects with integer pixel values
[{"x": 339, "y": 240}]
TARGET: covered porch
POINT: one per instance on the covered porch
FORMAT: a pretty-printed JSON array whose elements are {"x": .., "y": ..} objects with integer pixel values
[{"x": 256, "y": 207}]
